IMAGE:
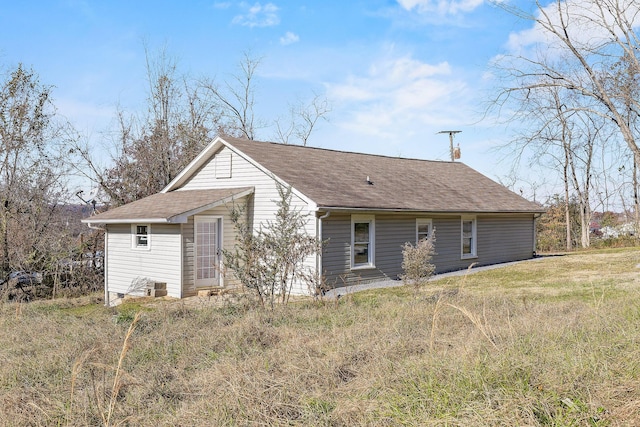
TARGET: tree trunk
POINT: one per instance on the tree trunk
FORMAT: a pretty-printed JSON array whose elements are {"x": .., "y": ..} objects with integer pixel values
[
  {"x": 567, "y": 213},
  {"x": 636, "y": 202}
]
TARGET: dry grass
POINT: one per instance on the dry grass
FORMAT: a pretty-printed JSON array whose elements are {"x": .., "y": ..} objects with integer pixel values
[{"x": 553, "y": 342}]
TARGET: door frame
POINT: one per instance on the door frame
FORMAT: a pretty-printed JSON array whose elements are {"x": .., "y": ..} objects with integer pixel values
[{"x": 219, "y": 238}]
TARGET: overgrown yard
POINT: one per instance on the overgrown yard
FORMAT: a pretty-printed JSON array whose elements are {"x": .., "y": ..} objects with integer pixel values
[{"x": 549, "y": 342}]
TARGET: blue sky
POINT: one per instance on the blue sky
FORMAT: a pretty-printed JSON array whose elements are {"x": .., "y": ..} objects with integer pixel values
[{"x": 395, "y": 72}]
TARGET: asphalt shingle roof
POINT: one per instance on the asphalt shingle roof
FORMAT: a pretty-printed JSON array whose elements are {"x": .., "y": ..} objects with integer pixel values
[
  {"x": 339, "y": 179},
  {"x": 167, "y": 207}
]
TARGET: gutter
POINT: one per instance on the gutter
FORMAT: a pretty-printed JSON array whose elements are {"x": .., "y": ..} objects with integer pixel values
[{"x": 439, "y": 212}]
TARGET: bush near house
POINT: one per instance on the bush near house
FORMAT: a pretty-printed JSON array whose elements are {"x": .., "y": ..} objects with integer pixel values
[
  {"x": 416, "y": 261},
  {"x": 269, "y": 261}
]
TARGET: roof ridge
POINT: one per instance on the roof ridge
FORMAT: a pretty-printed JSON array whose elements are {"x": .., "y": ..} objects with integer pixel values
[{"x": 232, "y": 140}]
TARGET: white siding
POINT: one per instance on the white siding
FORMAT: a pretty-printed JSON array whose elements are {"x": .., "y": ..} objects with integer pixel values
[
  {"x": 161, "y": 263},
  {"x": 244, "y": 174},
  {"x": 262, "y": 205}
]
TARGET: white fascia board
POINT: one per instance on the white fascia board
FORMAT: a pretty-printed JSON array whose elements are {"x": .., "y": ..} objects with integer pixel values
[
  {"x": 195, "y": 164},
  {"x": 129, "y": 221}
]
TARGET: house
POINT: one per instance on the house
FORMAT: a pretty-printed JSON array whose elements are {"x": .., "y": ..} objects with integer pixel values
[{"x": 363, "y": 206}]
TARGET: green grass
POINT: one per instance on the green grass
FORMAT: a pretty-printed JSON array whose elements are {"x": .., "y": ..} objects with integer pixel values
[{"x": 553, "y": 342}]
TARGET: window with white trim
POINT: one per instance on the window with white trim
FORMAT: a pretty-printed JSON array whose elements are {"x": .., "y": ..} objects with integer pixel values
[
  {"x": 140, "y": 234},
  {"x": 362, "y": 241},
  {"x": 468, "y": 232},
  {"x": 424, "y": 226}
]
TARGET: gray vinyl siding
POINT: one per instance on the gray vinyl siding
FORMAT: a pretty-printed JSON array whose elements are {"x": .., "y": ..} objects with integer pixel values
[
  {"x": 449, "y": 245},
  {"x": 390, "y": 234},
  {"x": 499, "y": 239},
  {"x": 161, "y": 263},
  {"x": 506, "y": 239}
]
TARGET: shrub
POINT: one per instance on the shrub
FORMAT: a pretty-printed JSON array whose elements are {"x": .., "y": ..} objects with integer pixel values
[
  {"x": 416, "y": 261},
  {"x": 270, "y": 259}
]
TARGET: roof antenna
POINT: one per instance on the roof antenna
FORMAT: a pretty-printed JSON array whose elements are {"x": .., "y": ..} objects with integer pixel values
[
  {"x": 455, "y": 153},
  {"x": 91, "y": 199}
]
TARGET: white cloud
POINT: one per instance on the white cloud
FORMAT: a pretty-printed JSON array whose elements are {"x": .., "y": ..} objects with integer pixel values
[
  {"x": 443, "y": 7},
  {"x": 222, "y": 5},
  {"x": 400, "y": 96},
  {"x": 289, "y": 38},
  {"x": 258, "y": 15}
]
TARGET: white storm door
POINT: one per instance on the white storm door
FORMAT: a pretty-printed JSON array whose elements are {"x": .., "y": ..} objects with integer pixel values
[{"x": 208, "y": 238}]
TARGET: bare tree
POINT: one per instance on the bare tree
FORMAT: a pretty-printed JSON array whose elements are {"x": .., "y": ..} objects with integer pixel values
[
  {"x": 562, "y": 136},
  {"x": 302, "y": 121},
  {"x": 236, "y": 99},
  {"x": 32, "y": 171},
  {"x": 587, "y": 39},
  {"x": 586, "y": 51},
  {"x": 150, "y": 149}
]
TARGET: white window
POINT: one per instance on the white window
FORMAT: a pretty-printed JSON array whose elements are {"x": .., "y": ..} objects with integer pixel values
[
  {"x": 362, "y": 241},
  {"x": 140, "y": 234},
  {"x": 468, "y": 244},
  {"x": 424, "y": 227}
]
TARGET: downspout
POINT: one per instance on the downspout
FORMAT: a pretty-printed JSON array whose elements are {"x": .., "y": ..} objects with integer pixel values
[
  {"x": 104, "y": 263},
  {"x": 319, "y": 255}
]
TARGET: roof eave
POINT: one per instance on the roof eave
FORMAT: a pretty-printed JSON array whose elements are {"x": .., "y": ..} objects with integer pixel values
[
  {"x": 411, "y": 210},
  {"x": 180, "y": 218},
  {"x": 172, "y": 220}
]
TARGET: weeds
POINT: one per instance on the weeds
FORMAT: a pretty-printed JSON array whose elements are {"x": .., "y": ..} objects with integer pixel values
[
  {"x": 471, "y": 354},
  {"x": 416, "y": 262},
  {"x": 436, "y": 311},
  {"x": 481, "y": 323},
  {"x": 106, "y": 412},
  {"x": 117, "y": 380}
]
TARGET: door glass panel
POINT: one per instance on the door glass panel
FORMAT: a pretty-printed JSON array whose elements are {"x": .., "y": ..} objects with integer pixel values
[{"x": 207, "y": 257}]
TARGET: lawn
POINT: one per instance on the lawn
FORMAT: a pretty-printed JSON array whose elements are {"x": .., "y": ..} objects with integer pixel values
[{"x": 550, "y": 342}]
